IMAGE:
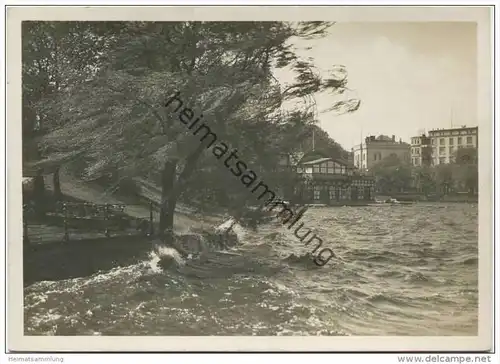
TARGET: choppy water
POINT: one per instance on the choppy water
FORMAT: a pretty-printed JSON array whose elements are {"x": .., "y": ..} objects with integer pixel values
[{"x": 406, "y": 270}]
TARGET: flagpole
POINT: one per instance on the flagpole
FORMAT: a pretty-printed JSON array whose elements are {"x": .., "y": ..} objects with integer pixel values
[{"x": 313, "y": 142}]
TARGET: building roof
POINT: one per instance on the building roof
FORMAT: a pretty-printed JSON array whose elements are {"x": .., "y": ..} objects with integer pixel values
[
  {"x": 316, "y": 161},
  {"x": 384, "y": 138},
  {"x": 453, "y": 129},
  {"x": 321, "y": 160}
]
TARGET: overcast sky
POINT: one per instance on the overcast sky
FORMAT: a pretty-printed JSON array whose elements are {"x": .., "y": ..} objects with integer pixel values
[{"x": 409, "y": 77}]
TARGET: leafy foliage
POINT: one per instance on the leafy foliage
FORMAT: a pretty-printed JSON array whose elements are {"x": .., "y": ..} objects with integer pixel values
[
  {"x": 105, "y": 87},
  {"x": 323, "y": 143},
  {"x": 460, "y": 176},
  {"x": 466, "y": 169},
  {"x": 392, "y": 175}
]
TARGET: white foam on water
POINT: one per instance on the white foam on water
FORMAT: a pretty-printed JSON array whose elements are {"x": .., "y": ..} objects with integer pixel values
[
  {"x": 156, "y": 256},
  {"x": 239, "y": 231},
  {"x": 231, "y": 222},
  {"x": 234, "y": 226}
]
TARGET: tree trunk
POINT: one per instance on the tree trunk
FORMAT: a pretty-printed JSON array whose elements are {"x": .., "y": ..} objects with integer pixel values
[
  {"x": 167, "y": 183},
  {"x": 39, "y": 194},
  {"x": 57, "y": 185},
  {"x": 171, "y": 190}
]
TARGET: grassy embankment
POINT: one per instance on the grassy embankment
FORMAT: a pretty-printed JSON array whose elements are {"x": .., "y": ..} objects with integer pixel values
[{"x": 136, "y": 208}]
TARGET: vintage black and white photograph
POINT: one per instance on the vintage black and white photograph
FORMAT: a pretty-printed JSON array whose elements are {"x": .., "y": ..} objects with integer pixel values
[{"x": 252, "y": 177}]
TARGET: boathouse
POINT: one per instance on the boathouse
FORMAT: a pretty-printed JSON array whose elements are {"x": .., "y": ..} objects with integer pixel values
[{"x": 332, "y": 181}]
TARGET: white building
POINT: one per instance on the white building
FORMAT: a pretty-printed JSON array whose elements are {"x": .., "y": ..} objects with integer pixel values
[
  {"x": 374, "y": 149},
  {"x": 445, "y": 142}
]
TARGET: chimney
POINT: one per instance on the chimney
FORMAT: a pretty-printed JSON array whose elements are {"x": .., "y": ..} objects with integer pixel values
[{"x": 393, "y": 138}]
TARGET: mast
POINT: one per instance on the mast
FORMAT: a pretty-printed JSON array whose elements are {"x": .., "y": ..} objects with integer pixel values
[{"x": 361, "y": 148}]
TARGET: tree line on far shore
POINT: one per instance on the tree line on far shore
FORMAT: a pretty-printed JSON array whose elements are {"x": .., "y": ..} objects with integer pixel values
[{"x": 459, "y": 176}]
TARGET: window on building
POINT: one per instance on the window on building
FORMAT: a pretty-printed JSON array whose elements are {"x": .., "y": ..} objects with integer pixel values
[
  {"x": 441, "y": 141},
  {"x": 322, "y": 168},
  {"x": 441, "y": 150},
  {"x": 330, "y": 168},
  {"x": 331, "y": 194},
  {"x": 450, "y": 140},
  {"x": 432, "y": 141},
  {"x": 451, "y": 150},
  {"x": 418, "y": 151},
  {"x": 469, "y": 140},
  {"x": 442, "y": 160},
  {"x": 317, "y": 194},
  {"x": 459, "y": 140},
  {"x": 316, "y": 168}
]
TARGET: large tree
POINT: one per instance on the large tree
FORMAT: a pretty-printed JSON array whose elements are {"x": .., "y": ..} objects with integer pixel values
[
  {"x": 392, "y": 175},
  {"x": 466, "y": 169},
  {"x": 424, "y": 180},
  {"x": 57, "y": 57},
  {"x": 443, "y": 176},
  {"x": 117, "y": 122}
]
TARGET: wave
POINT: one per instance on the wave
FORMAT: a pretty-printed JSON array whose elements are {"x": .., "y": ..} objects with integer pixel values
[
  {"x": 391, "y": 299},
  {"x": 305, "y": 260},
  {"x": 417, "y": 277},
  {"x": 470, "y": 261},
  {"x": 265, "y": 283}
]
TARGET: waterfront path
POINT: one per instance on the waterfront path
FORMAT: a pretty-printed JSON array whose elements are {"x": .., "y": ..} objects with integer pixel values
[{"x": 184, "y": 219}]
